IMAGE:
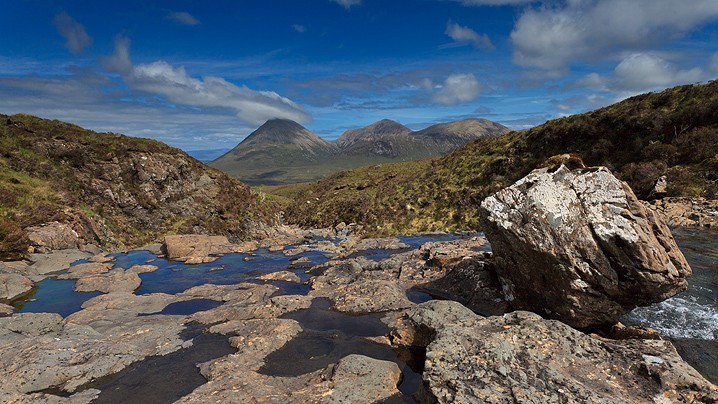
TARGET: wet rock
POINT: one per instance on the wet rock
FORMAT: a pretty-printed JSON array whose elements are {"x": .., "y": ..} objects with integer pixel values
[
  {"x": 620, "y": 331},
  {"x": 355, "y": 245},
  {"x": 86, "y": 346},
  {"x": 357, "y": 378},
  {"x": 521, "y": 357},
  {"x": 116, "y": 280},
  {"x": 359, "y": 285},
  {"x": 688, "y": 211},
  {"x": 129, "y": 302},
  {"x": 55, "y": 261},
  {"x": 82, "y": 270},
  {"x": 237, "y": 377},
  {"x": 101, "y": 258},
  {"x": 31, "y": 324},
  {"x": 195, "y": 248},
  {"x": 367, "y": 296},
  {"x": 285, "y": 276},
  {"x": 578, "y": 246},
  {"x": 154, "y": 248},
  {"x": 52, "y": 236},
  {"x": 13, "y": 285},
  {"x": 6, "y": 310},
  {"x": 244, "y": 302},
  {"x": 141, "y": 269}
]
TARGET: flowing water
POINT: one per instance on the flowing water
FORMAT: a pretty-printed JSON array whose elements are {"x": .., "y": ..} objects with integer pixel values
[{"x": 690, "y": 319}]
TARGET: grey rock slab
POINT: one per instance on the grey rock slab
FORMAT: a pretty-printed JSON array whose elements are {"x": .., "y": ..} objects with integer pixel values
[
  {"x": 522, "y": 357},
  {"x": 13, "y": 285},
  {"x": 114, "y": 281},
  {"x": 55, "y": 261}
]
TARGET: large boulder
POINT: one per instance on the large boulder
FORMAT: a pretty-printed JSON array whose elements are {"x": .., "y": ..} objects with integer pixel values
[
  {"x": 52, "y": 236},
  {"x": 578, "y": 246},
  {"x": 521, "y": 357}
]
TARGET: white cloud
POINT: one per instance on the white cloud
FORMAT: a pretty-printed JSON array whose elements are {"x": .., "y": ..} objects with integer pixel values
[
  {"x": 467, "y": 35},
  {"x": 554, "y": 37},
  {"x": 347, "y": 3},
  {"x": 299, "y": 28},
  {"x": 457, "y": 89},
  {"x": 74, "y": 33},
  {"x": 642, "y": 72},
  {"x": 183, "y": 17},
  {"x": 173, "y": 83}
]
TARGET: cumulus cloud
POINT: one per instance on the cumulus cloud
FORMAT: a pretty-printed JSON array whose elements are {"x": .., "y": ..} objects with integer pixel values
[
  {"x": 173, "y": 83},
  {"x": 554, "y": 37},
  {"x": 299, "y": 28},
  {"x": 466, "y": 35},
  {"x": 74, "y": 33},
  {"x": 347, "y": 3},
  {"x": 457, "y": 89},
  {"x": 641, "y": 72},
  {"x": 183, "y": 17}
]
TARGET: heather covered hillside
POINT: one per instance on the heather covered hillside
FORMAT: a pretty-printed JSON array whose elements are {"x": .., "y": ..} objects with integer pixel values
[
  {"x": 112, "y": 189},
  {"x": 672, "y": 135}
]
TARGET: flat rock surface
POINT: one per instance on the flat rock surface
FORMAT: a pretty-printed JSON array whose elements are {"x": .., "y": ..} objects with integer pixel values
[
  {"x": 116, "y": 280},
  {"x": 13, "y": 285},
  {"x": 55, "y": 261}
]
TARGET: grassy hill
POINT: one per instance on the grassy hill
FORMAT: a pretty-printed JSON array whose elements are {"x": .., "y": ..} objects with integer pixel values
[
  {"x": 672, "y": 133},
  {"x": 122, "y": 190}
]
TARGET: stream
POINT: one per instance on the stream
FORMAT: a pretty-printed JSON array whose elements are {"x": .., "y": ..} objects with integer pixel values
[{"x": 689, "y": 319}]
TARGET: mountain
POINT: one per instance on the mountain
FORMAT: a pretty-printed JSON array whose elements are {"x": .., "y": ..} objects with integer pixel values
[
  {"x": 671, "y": 135},
  {"x": 452, "y": 135},
  {"x": 283, "y": 152},
  {"x": 277, "y": 148},
  {"x": 381, "y": 138},
  {"x": 113, "y": 190}
]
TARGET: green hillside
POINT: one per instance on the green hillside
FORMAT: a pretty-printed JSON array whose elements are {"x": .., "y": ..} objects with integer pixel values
[
  {"x": 672, "y": 133},
  {"x": 122, "y": 190}
]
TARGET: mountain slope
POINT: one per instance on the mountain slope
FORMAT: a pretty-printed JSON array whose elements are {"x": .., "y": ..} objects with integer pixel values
[
  {"x": 379, "y": 138},
  {"x": 673, "y": 134},
  {"x": 284, "y": 152},
  {"x": 278, "y": 147},
  {"x": 453, "y": 135},
  {"x": 112, "y": 189}
]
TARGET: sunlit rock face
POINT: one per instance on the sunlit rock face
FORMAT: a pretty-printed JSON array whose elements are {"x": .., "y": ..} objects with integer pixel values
[{"x": 578, "y": 246}]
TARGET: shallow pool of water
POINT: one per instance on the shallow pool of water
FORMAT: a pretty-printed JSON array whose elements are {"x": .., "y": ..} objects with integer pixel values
[{"x": 54, "y": 296}]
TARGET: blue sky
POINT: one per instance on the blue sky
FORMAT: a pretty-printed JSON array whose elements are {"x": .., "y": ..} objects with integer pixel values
[{"x": 203, "y": 75}]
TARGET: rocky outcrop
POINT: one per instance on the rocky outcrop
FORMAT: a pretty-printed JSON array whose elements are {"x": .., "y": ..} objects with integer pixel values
[
  {"x": 520, "y": 357},
  {"x": 578, "y": 246},
  {"x": 688, "y": 211},
  {"x": 117, "y": 280},
  {"x": 13, "y": 285},
  {"x": 115, "y": 191},
  {"x": 358, "y": 285},
  {"x": 195, "y": 248},
  {"x": 52, "y": 236}
]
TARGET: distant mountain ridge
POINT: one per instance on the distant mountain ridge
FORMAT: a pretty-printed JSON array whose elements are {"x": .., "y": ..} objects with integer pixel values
[
  {"x": 282, "y": 151},
  {"x": 661, "y": 144}
]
